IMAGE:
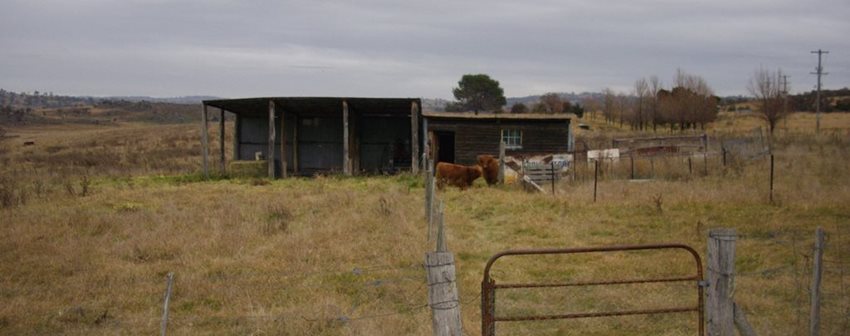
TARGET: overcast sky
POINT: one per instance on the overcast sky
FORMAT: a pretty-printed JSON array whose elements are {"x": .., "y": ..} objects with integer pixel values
[{"x": 398, "y": 48}]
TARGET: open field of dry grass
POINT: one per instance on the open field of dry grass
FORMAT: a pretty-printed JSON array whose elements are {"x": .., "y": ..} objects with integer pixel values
[{"x": 96, "y": 216}]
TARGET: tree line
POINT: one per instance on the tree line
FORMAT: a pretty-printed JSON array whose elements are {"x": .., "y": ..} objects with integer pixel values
[
  {"x": 689, "y": 104},
  {"x": 38, "y": 99}
]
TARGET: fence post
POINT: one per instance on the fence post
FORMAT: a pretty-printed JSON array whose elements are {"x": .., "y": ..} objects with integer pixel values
[
  {"x": 428, "y": 191},
  {"x": 442, "y": 290},
  {"x": 431, "y": 198},
  {"x": 771, "y": 178},
  {"x": 652, "y": 167},
  {"x": 575, "y": 166},
  {"x": 164, "y": 324},
  {"x": 632, "y": 159},
  {"x": 690, "y": 166},
  {"x": 502, "y": 162},
  {"x": 595, "y": 177},
  {"x": 721, "y": 282},
  {"x": 553, "y": 177},
  {"x": 817, "y": 273}
]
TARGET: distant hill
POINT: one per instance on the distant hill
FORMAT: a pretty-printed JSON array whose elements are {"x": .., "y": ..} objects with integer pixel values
[
  {"x": 438, "y": 104},
  {"x": 172, "y": 100},
  {"x": 37, "y": 99},
  {"x": 572, "y": 97}
]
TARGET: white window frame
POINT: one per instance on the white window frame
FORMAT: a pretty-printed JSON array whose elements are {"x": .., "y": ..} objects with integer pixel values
[{"x": 512, "y": 138}]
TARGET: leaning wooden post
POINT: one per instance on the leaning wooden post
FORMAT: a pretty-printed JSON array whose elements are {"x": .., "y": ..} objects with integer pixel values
[
  {"x": 221, "y": 140},
  {"x": 442, "y": 290},
  {"x": 270, "y": 156},
  {"x": 817, "y": 273},
  {"x": 632, "y": 160},
  {"x": 502, "y": 161},
  {"x": 741, "y": 322},
  {"x": 205, "y": 144},
  {"x": 719, "y": 304},
  {"x": 414, "y": 137},
  {"x": 164, "y": 325}
]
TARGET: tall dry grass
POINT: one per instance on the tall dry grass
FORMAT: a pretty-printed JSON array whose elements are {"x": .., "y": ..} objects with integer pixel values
[{"x": 342, "y": 256}]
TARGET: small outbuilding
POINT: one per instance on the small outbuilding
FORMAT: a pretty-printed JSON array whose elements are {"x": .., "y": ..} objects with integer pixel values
[
  {"x": 459, "y": 137},
  {"x": 309, "y": 135}
]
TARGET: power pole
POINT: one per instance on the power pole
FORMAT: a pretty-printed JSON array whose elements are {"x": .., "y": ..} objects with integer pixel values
[
  {"x": 819, "y": 73},
  {"x": 785, "y": 102}
]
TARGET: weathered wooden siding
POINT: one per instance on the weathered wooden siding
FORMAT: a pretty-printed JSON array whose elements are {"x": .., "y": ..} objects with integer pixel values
[{"x": 482, "y": 136}]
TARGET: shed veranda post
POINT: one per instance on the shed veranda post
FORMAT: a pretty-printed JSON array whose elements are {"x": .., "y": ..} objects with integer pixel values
[{"x": 270, "y": 156}]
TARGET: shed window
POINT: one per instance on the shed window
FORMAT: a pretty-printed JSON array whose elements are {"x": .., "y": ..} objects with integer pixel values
[{"x": 512, "y": 138}]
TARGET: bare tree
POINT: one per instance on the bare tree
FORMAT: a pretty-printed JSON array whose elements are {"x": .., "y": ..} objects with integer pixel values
[
  {"x": 642, "y": 95},
  {"x": 553, "y": 102},
  {"x": 519, "y": 108},
  {"x": 654, "y": 111},
  {"x": 608, "y": 102},
  {"x": 766, "y": 87},
  {"x": 693, "y": 101},
  {"x": 591, "y": 106}
]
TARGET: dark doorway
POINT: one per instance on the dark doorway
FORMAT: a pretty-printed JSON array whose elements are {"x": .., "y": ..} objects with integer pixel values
[{"x": 445, "y": 146}]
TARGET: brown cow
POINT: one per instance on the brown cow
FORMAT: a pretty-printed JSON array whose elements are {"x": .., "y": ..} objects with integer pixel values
[
  {"x": 456, "y": 175},
  {"x": 490, "y": 166}
]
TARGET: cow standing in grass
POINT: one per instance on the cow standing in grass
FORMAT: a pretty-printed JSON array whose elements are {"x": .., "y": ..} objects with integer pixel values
[
  {"x": 457, "y": 175},
  {"x": 490, "y": 166}
]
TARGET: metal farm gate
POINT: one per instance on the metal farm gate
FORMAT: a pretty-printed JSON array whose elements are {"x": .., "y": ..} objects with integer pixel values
[{"x": 489, "y": 286}]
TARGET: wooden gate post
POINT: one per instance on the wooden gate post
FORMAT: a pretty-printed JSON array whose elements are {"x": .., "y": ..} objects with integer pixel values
[
  {"x": 442, "y": 290},
  {"x": 719, "y": 304}
]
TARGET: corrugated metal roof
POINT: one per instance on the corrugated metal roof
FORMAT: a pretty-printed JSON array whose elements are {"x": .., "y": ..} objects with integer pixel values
[
  {"x": 490, "y": 115},
  {"x": 260, "y": 105}
]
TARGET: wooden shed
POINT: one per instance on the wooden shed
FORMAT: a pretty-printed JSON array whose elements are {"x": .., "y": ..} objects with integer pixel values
[
  {"x": 459, "y": 137},
  {"x": 309, "y": 135}
]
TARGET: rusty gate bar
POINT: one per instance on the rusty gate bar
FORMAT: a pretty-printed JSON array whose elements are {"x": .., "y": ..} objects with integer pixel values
[{"x": 489, "y": 286}]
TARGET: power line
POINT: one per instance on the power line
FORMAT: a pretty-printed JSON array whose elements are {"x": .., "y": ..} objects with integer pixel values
[{"x": 820, "y": 73}]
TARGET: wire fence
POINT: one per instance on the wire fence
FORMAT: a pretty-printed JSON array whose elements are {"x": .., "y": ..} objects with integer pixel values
[{"x": 788, "y": 282}]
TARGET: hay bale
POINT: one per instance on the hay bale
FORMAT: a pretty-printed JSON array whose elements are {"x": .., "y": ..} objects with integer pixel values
[{"x": 249, "y": 168}]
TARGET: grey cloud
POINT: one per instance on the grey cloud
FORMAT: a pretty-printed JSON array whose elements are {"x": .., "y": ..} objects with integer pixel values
[{"x": 396, "y": 48}]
